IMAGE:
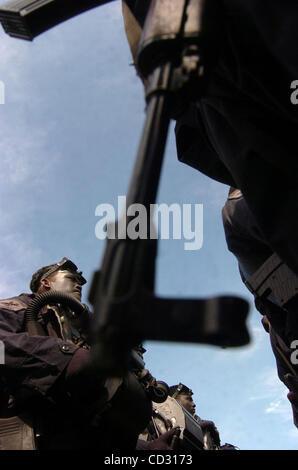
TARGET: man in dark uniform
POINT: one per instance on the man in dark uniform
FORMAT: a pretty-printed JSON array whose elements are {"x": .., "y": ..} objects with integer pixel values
[
  {"x": 52, "y": 396},
  {"x": 242, "y": 131},
  {"x": 247, "y": 243},
  {"x": 183, "y": 395}
]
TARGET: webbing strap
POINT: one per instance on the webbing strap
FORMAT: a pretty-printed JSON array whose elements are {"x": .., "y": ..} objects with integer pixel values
[{"x": 274, "y": 277}]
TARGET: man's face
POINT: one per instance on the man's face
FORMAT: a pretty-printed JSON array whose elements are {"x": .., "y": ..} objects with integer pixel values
[
  {"x": 66, "y": 281},
  {"x": 187, "y": 402}
]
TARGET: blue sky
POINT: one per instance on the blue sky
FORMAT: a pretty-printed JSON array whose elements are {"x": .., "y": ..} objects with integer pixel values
[{"x": 70, "y": 128}]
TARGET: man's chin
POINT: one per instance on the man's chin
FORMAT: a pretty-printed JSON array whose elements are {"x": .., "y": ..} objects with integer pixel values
[{"x": 77, "y": 295}]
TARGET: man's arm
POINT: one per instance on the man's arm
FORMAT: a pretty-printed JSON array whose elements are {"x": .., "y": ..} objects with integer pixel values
[
  {"x": 163, "y": 442},
  {"x": 35, "y": 362}
]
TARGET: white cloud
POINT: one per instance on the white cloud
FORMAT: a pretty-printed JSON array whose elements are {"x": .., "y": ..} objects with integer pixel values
[
  {"x": 293, "y": 434},
  {"x": 270, "y": 389},
  {"x": 280, "y": 407},
  {"x": 23, "y": 143},
  {"x": 5, "y": 287},
  {"x": 267, "y": 385},
  {"x": 18, "y": 255},
  {"x": 23, "y": 151},
  {"x": 14, "y": 54}
]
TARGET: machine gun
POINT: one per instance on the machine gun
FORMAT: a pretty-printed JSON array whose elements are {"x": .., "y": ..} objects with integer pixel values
[{"x": 174, "y": 55}]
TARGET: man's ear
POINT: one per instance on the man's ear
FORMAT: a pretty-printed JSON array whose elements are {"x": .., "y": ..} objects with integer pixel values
[{"x": 45, "y": 283}]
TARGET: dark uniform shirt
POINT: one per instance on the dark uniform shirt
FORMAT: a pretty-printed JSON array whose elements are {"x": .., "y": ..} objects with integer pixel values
[
  {"x": 243, "y": 130},
  {"x": 34, "y": 362},
  {"x": 32, "y": 377},
  {"x": 102, "y": 413}
]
